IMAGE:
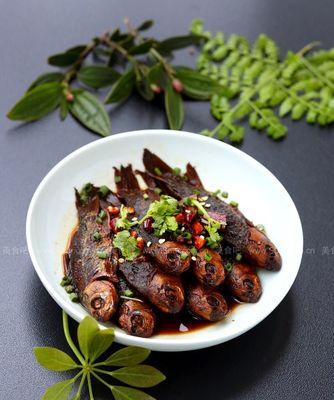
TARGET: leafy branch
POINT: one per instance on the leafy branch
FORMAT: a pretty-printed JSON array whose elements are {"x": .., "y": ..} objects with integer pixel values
[
  {"x": 128, "y": 62},
  {"x": 262, "y": 87},
  {"x": 94, "y": 342}
]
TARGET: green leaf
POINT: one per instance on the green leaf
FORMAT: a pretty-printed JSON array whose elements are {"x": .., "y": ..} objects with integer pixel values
[
  {"x": 298, "y": 111},
  {"x": 87, "y": 109},
  {"x": 54, "y": 359},
  {"x": 46, "y": 78},
  {"x": 143, "y": 376},
  {"x": 142, "y": 48},
  {"x": 64, "y": 109},
  {"x": 59, "y": 391},
  {"x": 97, "y": 76},
  {"x": 285, "y": 107},
  {"x": 174, "y": 108},
  {"x": 36, "y": 103},
  {"x": 143, "y": 84},
  {"x": 145, "y": 25},
  {"x": 178, "y": 42},
  {"x": 87, "y": 330},
  {"x": 157, "y": 75},
  {"x": 101, "y": 343},
  {"x": 126, "y": 393},
  {"x": 127, "y": 245},
  {"x": 127, "y": 357},
  {"x": 67, "y": 58},
  {"x": 122, "y": 88},
  {"x": 196, "y": 85}
]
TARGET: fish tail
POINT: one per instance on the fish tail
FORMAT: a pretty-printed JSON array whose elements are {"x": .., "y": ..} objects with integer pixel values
[{"x": 193, "y": 176}]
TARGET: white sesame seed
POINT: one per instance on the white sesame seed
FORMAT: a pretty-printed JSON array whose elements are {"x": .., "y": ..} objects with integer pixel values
[
  {"x": 162, "y": 241},
  {"x": 134, "y": 219},
  {"x": 202, "y": 237},
  {"x": 207, "y": 205},
  {"x": 148, "y": 244},
  {"x": 121, "y": 260},
  {"x": 183, "y": 229},
  {"x": 183, "y": 328},
  {"x": 193, "y": 258},
  {"x": 187, "y": 211},
  {"x": 204, "y": 198}
]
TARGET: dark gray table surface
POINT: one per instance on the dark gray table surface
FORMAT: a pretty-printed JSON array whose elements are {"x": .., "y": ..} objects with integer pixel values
[{"x": 290, "y": 354}]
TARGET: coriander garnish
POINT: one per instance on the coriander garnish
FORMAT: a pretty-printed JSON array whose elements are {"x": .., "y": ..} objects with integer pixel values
[
  {"x": 184, "y": 255},
  {"x": 127, "y": 245},
  {"x": 157, "y": 171},
  {"x": 103, "y": 191}
]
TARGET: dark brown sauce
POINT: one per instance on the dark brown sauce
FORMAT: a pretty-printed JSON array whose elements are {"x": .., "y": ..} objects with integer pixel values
[{"x": 167, "y": 324}]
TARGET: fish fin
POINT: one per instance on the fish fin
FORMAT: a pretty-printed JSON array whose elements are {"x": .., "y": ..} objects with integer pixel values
[
  {"x": 193, "y": 176},
  {"x": 126, "y": 181},
  {"x": 93, "y": 206},
  {"x": 148, "y": 179},
  {"x": 152, "y": 161}
]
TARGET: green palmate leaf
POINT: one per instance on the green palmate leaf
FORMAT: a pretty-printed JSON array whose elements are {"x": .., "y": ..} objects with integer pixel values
[
  {"x": 67, "y": 58},
  {"x": 122, "y": 89},
  {"x": 97, "y": 76},
  {"x": 87, "y": 330},
  {"x": 127, "y": 245},
  {"x": 126, "y": 393},
  {"x": 87, "y": 109},
  {"x": 54, "y": 359},
  {"x": 100, "y": 343},
  {"x": 59, "y": 391},
  {"x": 128, "y": 356},
  {"x": 46, "y": 78},
  {"x": 145, "y": 25},
  {"x": 142, "y": 48},
  {"x": 196, "y": 85},
  {"x": 178, "y": 42},
  {"x": 36, "y": 103},
  {"x": 143, "y": 376},
  {"x": 174, "y": 108}
]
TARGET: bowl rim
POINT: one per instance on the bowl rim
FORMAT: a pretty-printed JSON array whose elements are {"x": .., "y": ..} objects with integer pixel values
[{"x": 159, "y": 343}]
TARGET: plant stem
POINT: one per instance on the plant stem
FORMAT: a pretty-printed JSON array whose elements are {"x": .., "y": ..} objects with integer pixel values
[
  {"x": 69, "y": 339},
  {"x": 120, "y": 49},
  {"x": 166, "y": 66},
  {"x": 81, "y": 383},
  {"x": 73, "y": 71},
  {"x": 90, "y": 389},
  {"x": 102, "y": 371},
  {"x": 101, "y": 380}
]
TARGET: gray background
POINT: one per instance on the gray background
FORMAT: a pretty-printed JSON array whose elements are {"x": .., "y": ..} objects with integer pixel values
[{"x": 290, "y": 354}]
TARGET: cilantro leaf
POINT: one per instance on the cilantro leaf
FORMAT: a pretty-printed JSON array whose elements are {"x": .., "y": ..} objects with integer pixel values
[
  {"x": 127, "y": 245},
  {"x": 123, "y": 221}
]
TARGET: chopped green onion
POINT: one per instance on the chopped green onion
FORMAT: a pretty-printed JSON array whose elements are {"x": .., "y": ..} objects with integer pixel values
[
  {"x": 128, "y": 293},
  {"x": 102, "y": 254},
  {"x": 117, "y": 179},
  {"x": 238, "y": 257},
  {"x": 145, "y": 195},
  {"x": 228, "y": 266},
  {"x": 196, "y": 191},
  {"x": 157, "y": 171},
  {"x": 157, "y": 190},
  {"x": 216, "y": 193},
  {"x": 104, "y": 190},
  {"x": 193, "y": 251},
  {"x": 74, "y": 297},
  {"x": 101, "y": 216},
  {"x": 184, "y": 255},
  {"x": 225, "y": 195},
  {"x": 69, "y": 289},
  {"x": 261, "y": 228},
  {"x": 176, "y": 171},
  {"x": 207, "y": 256},
  {"x": 186, "y": 235},
  {"x": 234, "y": 203},
  {"x": 187, "y": 201},
  {"x": 97, "y": 236},
  {"x": 65, "y": 281}
]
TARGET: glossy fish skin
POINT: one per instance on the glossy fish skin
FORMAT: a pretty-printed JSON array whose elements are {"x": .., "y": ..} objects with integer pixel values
[
  {"x": 162, "y": 290},
  {"x": 205, "y": 303},
  {"x": 136, "y": 318},
  {"x": 210, "y": 273},
  {"x": 91, "y": 276},
  {"x": 239, "y": 231},
  {"x": 243, "y": 283},
  {"x": 172, "y": 257}
]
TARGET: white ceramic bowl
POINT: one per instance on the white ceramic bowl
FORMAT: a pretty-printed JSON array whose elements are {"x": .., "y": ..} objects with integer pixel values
[{"x": 52, "y": 216}]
